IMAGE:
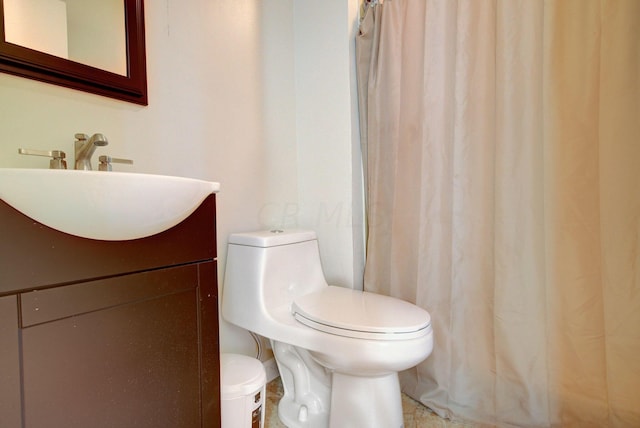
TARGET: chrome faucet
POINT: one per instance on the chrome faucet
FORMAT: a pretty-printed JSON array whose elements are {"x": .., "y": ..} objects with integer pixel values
[{"x": 85, "y": 147}]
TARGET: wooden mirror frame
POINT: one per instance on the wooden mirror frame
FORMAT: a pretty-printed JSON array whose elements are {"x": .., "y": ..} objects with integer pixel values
[{"x": 25, "y": 62}]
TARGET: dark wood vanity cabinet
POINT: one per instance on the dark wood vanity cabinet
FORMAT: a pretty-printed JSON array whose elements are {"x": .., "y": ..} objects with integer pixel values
[{"x": 108, "y": 334}]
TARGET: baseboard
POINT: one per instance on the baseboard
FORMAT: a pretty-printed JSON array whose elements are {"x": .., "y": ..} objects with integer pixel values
[{"x": 271, "y": 368}]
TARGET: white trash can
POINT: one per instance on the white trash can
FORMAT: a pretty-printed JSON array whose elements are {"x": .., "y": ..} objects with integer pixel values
[{"x": 242, "y": 381}]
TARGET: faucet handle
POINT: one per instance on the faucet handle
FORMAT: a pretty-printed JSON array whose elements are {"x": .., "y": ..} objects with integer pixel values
[
  {"x": 57, "y": 157},
  {"x": 106, "y": 161}
]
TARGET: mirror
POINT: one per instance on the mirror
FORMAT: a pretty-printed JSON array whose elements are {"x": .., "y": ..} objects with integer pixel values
[
  {"x": 90, "y": 32},
  {"x": 96, "y": 46}
]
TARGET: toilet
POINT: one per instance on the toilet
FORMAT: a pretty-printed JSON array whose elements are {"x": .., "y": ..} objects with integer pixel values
[{"x": 338, "y": 350}]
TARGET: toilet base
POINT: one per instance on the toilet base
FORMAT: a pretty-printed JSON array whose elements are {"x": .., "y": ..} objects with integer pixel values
[
  {"x": 366, "y": 402},
  {"x": 307, "y": 388},
  {"x": 294, "y": 415},
  {"x": 315, "y": 397},
  {"x": 356, "y": 402}
]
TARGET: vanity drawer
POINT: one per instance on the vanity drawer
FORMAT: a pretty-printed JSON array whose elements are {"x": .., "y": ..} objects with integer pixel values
[
  {"x": 43, "y": 306},
  {"x": 34, "y": 256}
]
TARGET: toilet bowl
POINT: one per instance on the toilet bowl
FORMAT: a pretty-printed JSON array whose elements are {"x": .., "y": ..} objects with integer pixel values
[{"x": 338, "y": 350}]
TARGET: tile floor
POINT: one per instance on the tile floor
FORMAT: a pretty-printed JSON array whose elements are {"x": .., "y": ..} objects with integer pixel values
[{"x": 415, "y": 414}]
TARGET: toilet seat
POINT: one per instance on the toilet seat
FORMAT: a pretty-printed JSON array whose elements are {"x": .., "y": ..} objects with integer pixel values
[{"x": 359, "y": 314}]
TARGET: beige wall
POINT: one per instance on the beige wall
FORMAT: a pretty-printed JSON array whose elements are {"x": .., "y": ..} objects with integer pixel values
[{"x": 255, "y": 94}]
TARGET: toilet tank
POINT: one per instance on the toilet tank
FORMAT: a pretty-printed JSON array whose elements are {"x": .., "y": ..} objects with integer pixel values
[{"x": 265, "y": 271}]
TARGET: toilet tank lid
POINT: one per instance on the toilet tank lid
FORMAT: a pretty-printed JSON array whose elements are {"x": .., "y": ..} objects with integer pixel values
[{"x": 271, "y": 238}]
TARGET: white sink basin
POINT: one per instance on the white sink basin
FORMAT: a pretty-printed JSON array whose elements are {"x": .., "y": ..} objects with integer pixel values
[{"x": 111, "y": 206}]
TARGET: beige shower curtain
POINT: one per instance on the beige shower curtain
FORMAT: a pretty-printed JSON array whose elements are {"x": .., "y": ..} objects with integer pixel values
[{"x": 502, "y": 150}]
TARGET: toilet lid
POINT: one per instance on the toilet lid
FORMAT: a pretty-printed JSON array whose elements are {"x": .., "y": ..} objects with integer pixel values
[{"x": 359, "y": 314}]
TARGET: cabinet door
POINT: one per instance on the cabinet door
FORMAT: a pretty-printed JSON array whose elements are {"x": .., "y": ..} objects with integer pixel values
[
  {"x": 10, "y": 411},
  {"x": 120, "y": 352}
]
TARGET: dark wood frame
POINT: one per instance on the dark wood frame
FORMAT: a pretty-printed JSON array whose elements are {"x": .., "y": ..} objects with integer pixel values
[{"x": 25, "y": 62}]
